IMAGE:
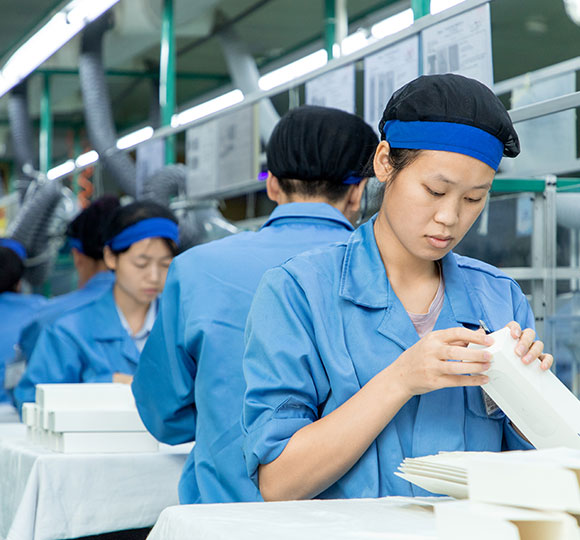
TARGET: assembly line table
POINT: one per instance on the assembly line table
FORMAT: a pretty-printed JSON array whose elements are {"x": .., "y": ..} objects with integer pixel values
[
  {"x": 391, "y": 518},
  {"x": 46, "y": 495}
]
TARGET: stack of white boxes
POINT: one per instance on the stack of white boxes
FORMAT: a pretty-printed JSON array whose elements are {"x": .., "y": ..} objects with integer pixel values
[{"x": 84, "y": 418}]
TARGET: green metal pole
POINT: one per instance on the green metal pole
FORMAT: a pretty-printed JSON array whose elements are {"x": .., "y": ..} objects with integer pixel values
[
  {"x": 45, "y": 126},
  {"x": 167, "y": 76},
  {"x": 329, "y": 27},
  {"x": 420, "y": 8}
]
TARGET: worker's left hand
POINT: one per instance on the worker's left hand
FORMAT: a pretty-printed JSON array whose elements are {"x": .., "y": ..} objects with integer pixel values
[{"x": 527, "y": 348}]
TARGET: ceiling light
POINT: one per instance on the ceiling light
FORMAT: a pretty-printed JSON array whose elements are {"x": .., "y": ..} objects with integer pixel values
[
  {"x": 441, "y": 5},
  {"x": 573, "y": 10},
  {"x": 293, "y": 70},
  {"x": 60, "y": 29},
  {"x": 61, "y": 170},
  {"x": 209, "y": 107},
  {"x": 87, "y": 158},
  {"x": 393, "y": 24},
  {"x": 134, "y": 138},
  {"x": 354, "y": 42}
]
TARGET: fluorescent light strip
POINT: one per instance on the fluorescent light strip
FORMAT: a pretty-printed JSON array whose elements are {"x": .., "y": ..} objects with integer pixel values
[
  {"x": 132, "y": 139},
  {"x": 60, "y": 29},
  {"x": 61, "y": 170},
  {"x": 293, "y": 70},
  {"x": 441, "y": 5},
  {"x": 393, "y": 24},
  {"x": 87, "y": 158},
  {"x": 203, "y": 109}
]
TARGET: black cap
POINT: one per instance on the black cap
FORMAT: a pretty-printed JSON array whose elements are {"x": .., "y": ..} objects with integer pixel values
[
  {"x": 455, "y": 99},
  {"x": 320, "y": 143}
]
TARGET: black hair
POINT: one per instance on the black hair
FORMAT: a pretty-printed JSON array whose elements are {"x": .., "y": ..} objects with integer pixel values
[
  {"x": 11, "y": 270},
  {"x": 125, "y": 216},
  {"x": 314, "y": 188},
  {"x": 90, "y": 225}
]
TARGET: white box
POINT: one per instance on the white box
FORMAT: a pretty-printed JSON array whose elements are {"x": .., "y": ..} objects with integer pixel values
[
  {"x": 83, "y": 396},
  {"x": 29, "y": 414},
  {"x": 475, "y": 521},
  {"x": 102, "y": 442},
  {"x": 535, "y": 400},
  {"x": 87, "y": 421}
]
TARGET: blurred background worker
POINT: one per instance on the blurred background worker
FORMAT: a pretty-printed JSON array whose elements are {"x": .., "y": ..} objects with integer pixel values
[
  {"x": 189, "y": 384},
  {"x": 101, "y": 341},
  {"x": 16, "y": 309},
  {"x": 86, "y": 237}
]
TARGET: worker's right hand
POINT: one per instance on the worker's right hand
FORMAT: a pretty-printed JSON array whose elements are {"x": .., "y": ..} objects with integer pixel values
[{"x": 426, "y": 366}]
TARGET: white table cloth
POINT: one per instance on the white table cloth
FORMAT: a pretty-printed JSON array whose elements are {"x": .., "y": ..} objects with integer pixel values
[
  {"x": 48, "y": 496},
  {"x": 392, "y": 518}
]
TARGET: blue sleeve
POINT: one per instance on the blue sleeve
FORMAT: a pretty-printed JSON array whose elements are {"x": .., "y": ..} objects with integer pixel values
[
  {"x": 56, "y": 359},
  {"x": 285, "y": 379},
  {"x": 163, "y": 385}
]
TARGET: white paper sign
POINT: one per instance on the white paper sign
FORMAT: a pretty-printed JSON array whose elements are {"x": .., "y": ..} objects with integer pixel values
[
  {"x": 385, "y": 72},
  {"x": 222, "y": 153},
  {"x": 201, "y": 156},
  {"x": 333, "y": 89},
  {"x": 460, "y": 45}
]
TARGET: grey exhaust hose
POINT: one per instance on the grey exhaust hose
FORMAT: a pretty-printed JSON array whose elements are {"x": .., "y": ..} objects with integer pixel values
[
  {"x": 97, "y": 106},
  {"x": 21, "y": 130},
  {"x": 30, "y": 229}
]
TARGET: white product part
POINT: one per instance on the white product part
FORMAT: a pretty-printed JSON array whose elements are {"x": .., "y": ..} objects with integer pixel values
[
  {"x": 87, "y": 421},
  {"x": 102, "y": 442},
  {"x": 85, "y": 396},
  {"x": 29, "y": 414},
  {"x": 477, "y": 521},
  {"x": 535, "y": 400}
]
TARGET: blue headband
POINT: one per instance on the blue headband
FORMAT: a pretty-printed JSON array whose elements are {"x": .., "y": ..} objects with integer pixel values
[
  {"x": 76, "y": 243},
  {"x": 448, "y": 136},
  {"x": 15, "y": 246},
  {"x": 148, "y": 228},
  {"x": 353, "y": 179}
]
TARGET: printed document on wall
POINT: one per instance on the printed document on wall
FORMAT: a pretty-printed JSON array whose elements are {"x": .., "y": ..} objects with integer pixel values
[
  {"x": 333, "y": 89},
  {"x": 460, "y": 45},
  {"x": 222, "y": 153},
  {"x": 385, "y": 72}
]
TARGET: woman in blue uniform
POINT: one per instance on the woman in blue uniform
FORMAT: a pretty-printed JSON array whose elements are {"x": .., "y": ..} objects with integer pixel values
[
  {"x": 16, "y": 310},
  {"x": 101, "y": 341},
  {"x": 347, "y": 348}
]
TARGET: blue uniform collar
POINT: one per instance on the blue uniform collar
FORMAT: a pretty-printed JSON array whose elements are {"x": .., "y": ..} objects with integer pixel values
[
  {"x": 100, "y": 278},
  {"x": 319, "y": 211},
  {"x": 364, "y": 282},
  {"x": 108, "y": 326}
]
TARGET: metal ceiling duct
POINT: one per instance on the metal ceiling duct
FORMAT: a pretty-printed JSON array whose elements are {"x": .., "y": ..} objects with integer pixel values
[
  {"x": 97, "y": 106},
  {"x": 245, "y": 75},
  {"x": 21, "y": 130}
]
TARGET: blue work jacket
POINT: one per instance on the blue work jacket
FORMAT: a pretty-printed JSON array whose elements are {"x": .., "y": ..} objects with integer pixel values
[
  {"x": 98, "y": 285},
  {"x": 326, "y": 322},
  {"x": 87, "y": 344},
  {"x": 189, "y": 384},
  {"x": 16, "y": 311}
]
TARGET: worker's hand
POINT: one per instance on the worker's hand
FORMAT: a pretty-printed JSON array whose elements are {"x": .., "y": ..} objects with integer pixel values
[
  {"x": 425, "y": 367},
  {"x": 122, "y": 378},
  {"x": 527, "y": 348}
]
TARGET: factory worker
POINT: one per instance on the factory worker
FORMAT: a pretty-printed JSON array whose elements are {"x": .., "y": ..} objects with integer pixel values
[
  {"x": 347, "y": 349},
  {"x": 16, "y": 310},
  {"x": 101, "y": 341},
  {"x": 189, "y": 384},
  {"x": 85, "y": 235}
]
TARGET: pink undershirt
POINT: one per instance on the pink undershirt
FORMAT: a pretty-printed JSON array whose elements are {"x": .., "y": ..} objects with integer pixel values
[{"x": 425, "y": 322}]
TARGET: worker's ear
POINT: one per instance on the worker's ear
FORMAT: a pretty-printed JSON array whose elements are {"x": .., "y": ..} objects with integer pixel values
[
  {"x": 273, "y": 189},
  {"x": 110, "y": 258}
]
